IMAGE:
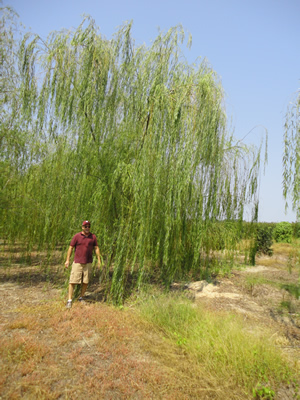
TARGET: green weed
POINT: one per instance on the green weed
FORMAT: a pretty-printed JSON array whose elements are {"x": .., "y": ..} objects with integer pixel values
[
  {"x": 217, "y": 344},
  {"x": 292, "y": 288},
  {"x": 263, "y": 393}
]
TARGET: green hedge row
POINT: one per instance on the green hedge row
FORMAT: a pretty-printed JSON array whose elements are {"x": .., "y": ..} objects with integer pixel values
[{"x": 281, "y": 231}]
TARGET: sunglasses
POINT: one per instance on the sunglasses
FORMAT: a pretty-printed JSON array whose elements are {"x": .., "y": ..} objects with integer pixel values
[{"x": 86, "y": 226}]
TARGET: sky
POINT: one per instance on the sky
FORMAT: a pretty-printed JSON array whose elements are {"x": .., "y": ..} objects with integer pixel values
[{"x": 253, "y": 45}]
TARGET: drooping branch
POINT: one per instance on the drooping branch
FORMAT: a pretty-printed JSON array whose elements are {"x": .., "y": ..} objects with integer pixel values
[{"x": 291, "y": 155}]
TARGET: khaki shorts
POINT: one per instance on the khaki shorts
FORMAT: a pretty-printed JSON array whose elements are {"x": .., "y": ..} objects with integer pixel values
[{"x": 80, "y": 273}]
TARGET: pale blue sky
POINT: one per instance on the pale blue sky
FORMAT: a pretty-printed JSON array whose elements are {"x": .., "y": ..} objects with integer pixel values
[{"x": 253, "y": 45}]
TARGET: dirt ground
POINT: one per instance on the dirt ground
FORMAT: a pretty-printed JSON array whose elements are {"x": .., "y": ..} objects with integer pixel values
[{"x": 264, "y": 295}]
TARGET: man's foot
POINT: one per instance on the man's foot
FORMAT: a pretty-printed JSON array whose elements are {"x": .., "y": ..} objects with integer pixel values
[
  {"x": 69, "y": 304},
  {"x": 80, "y": 299}
]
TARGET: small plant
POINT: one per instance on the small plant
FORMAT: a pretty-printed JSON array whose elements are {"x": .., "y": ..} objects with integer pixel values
[
  {"x": 283, "y": 232},
  {"x": 181, "y": 341},
  {"x": 293, "y": 289},
  {"x": 263, "y": 393},
  {"x": 250, "y": 283},
  {"x": 286, "y": 304}
]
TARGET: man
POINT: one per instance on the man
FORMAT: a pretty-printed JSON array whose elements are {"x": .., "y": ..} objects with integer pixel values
[{"x": 84, "y": 242}]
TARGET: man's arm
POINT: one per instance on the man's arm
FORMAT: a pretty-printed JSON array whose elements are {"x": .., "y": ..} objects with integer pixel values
[
  {"x": 97, "y": 251},
  {"x": 70, "y": 249}
]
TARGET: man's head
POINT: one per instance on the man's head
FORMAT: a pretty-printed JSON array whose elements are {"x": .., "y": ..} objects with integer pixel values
[{"x": 86, "y": 225}]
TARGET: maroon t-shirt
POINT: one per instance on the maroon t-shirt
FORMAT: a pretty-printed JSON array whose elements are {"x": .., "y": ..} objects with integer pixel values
[{"x": 84, "y": 246}]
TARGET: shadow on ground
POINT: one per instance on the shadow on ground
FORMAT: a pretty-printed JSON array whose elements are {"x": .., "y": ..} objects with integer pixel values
[{"x": 25, "y": 275}]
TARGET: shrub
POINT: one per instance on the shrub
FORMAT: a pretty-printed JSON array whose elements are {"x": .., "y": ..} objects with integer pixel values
[
  {"x": 296, "y": 229},
  {"x": 264, "y": 239},
  {"x": 283, "y": 232}
]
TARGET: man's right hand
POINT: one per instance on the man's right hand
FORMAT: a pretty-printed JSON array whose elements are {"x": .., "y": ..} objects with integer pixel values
[{"x": 67, "y": 263}]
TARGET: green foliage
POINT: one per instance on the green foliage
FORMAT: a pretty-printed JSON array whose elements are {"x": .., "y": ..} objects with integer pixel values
[
  {"x": 283, "y": 232},
  {"x": 263, "y": 393},
  {"x": 222, "y": 235},
  {"x": 293, "y": 289},
  {"x": 260, "y": 235},
  {"x": 132, "y": 138},
  {"x": 288, "y": 306},
  {"x": 264, "y": 238},
  {"x": 291, "y": 157},
  {"x": 14, "y": 141},
  {"x": 296, "y": 229}
]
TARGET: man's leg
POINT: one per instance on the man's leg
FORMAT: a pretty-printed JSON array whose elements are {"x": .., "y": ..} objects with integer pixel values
[
  {"x": 83, "y": 289},
  {"x": 71, "y": 290},
  {"x": 85, "y": 278}
]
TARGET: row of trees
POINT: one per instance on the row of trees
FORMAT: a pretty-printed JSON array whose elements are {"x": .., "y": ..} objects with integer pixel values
[{"x": 132, "y": 138}]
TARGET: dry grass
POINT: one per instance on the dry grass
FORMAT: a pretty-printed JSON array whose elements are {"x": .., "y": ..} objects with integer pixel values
[{"x": 91, "y": 351}]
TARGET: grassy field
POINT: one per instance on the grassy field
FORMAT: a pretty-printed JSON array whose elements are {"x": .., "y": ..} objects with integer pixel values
[{"x": 157, "y": 346}]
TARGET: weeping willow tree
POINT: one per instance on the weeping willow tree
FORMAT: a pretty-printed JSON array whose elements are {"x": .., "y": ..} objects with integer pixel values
[
  {"x": 13, "y": 143},
  {"x": 291, "y": 157},
  {"x": 134, "y": 139}
]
